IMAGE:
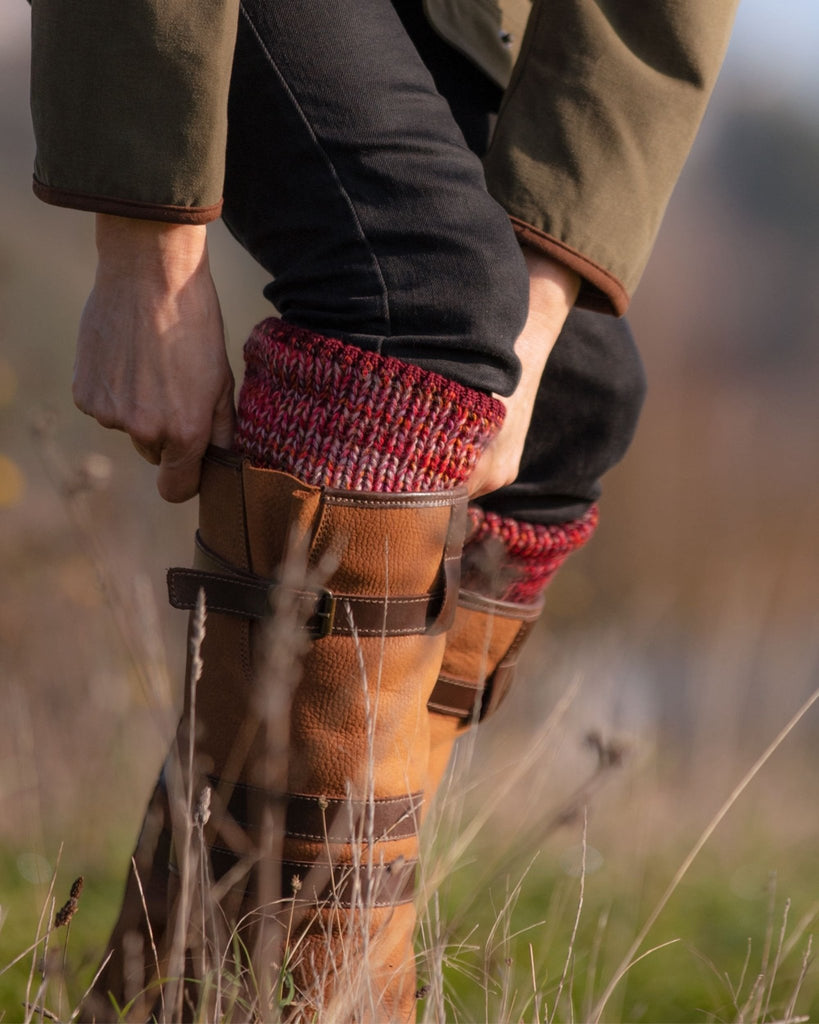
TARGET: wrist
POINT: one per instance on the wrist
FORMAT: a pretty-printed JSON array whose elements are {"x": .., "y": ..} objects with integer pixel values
[
  {"x": 553, "y": 287},
  {"x": 146, "y": 248}
]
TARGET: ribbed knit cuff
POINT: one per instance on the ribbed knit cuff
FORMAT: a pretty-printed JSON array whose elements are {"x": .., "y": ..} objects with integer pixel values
[
  {"x": 334, "y": 415},
  {"x": 513, "y": 561}
]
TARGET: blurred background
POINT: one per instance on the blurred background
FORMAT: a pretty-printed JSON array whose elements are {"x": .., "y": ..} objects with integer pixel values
[{"x": 686, "y": 632}]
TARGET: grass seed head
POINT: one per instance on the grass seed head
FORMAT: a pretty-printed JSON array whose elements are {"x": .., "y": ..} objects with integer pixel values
[{"x": 69, "y": 908}]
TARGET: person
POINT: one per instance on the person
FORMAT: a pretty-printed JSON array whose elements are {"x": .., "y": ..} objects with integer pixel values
[{"x": 446, "y": 196}]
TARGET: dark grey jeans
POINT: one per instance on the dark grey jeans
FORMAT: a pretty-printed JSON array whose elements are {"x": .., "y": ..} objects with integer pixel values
[{"x": 354, "y": 178}]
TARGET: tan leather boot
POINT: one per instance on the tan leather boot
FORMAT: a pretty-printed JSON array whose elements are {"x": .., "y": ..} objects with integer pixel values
[
  {"x": 479, "y": 662},
  {"x": 358, "y": 727}
]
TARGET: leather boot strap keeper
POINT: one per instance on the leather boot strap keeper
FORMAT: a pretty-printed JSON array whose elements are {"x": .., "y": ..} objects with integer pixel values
[
  {"x": 317, "y": 820},
  {"x": 321, "y": 820}
]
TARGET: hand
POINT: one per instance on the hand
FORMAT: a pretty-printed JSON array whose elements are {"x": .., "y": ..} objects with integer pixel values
[
  {"x": 553, "y": 289},
  {"x": 151, "y": 357}
]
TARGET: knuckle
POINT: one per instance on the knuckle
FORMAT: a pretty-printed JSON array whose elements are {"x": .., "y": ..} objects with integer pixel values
[
  {"x": 142, "y": 434},
  {"x": 103, "y": 415},
  {"x": 185, "y": 446}
]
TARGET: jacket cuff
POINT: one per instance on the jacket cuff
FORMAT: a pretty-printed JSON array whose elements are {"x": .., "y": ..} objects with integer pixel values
[
  {"x": 600, "y": 290},
  {"x": 126, "y": 207}
]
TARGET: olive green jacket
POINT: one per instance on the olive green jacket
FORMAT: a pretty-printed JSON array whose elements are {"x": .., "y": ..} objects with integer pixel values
[{"x": 603, "y": 99}]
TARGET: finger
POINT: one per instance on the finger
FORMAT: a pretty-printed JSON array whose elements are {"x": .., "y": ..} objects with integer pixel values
[
  {"x": 179, "y": 473},
  {"x": 476, "y": 481},
  {"x": 152, "y": 454},
  {"x": 224, "y": 423}
]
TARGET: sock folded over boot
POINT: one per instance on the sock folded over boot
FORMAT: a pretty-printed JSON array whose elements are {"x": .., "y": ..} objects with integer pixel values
[
  {"x": 511, "y": 560},
  {"x": 336, "y": 416}
]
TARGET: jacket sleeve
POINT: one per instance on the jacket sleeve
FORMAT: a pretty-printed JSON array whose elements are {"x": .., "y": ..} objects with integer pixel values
[
  {"x": 129, "y": 105},
  {"x": 601, "y": 111}
]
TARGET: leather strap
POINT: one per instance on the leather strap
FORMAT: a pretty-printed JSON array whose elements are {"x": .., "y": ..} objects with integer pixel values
[
  {"x": 324, "y": 613},
  {"x": 327, "y": 819},
  {"x": 234, "y": 592},
  {"x": 456, "y": 697},
  {"x": 342, "y": 885},
  {"x": 379, "y": 885}
]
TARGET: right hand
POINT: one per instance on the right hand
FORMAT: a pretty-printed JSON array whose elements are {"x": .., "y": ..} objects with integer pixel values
[
  {"x": 553, "y": 289},
  {"x": 151, "y": 357}
]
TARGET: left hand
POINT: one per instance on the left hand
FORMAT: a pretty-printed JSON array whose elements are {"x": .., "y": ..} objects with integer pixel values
[
  {"x": 553, "y": 289},
  {"x": 151, "y": 357}
]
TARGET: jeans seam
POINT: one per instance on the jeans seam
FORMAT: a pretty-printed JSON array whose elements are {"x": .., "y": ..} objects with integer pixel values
[{"x": 385, "y": 313}]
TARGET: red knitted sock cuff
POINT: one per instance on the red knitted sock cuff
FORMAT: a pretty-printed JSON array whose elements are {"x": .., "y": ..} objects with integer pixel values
[
  {"x": 337, "y": 416},
  {"x": 513, "y": 561}
]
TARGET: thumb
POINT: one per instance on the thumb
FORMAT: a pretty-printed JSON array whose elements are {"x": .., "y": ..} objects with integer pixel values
[{"x": 179, "y": 472}]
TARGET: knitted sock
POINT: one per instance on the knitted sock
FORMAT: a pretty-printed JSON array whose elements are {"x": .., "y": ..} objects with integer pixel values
[
  {"x": 334, "y": 415},
  {"x": 510, "y": 560}
]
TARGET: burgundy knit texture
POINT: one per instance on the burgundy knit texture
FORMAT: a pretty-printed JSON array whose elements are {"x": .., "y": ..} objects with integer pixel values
[
  {"x": 513, "y": 561},
  {"x": 336, "y": 416}
]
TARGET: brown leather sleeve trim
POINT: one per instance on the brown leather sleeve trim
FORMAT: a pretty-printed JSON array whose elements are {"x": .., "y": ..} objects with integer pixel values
[
  {"x": 126, "y": 207},
  {"x": 599, "y": 291}
]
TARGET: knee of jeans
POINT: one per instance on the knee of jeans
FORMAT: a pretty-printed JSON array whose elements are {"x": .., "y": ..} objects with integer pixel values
[
  {"x": 455, "y": 305},
  {"x": 608, "y": 382},
  {"x": 627, "y": 380}
]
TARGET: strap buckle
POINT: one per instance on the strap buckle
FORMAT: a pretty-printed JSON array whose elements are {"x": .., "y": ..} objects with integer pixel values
[{"x": 323, "y": 619}]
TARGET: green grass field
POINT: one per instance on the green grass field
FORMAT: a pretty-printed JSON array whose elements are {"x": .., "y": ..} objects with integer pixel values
[{"x": 731, "y": 945}]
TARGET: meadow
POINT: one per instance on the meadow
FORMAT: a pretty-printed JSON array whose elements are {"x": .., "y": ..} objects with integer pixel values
[{"x": 609, "y": 847}]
